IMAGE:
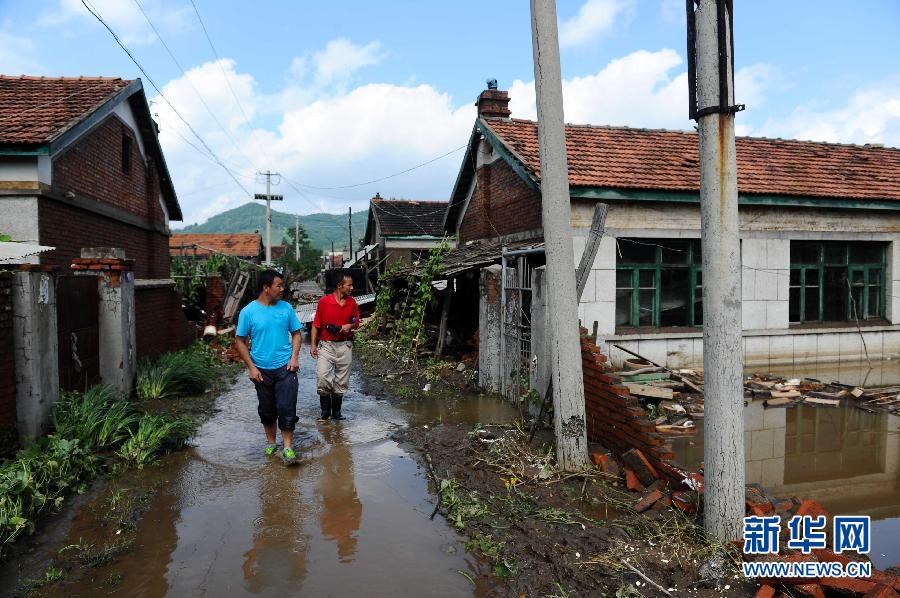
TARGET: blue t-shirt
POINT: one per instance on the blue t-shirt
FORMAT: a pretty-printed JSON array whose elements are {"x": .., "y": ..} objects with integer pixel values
[{"x": 269, "y": 328}]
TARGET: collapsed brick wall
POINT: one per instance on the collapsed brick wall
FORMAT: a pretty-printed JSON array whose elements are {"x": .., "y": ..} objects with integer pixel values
[
  {"x": 502, "y": 204},
  {"x": 7, "y": 361},
  {"x": 616, "y": 419},
  {"x": 160, "y": 324},
  {"x": 69, "y": 229}
]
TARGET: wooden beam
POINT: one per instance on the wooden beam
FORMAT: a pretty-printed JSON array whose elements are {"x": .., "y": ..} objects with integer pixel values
[{"x": 591, "y": 245}]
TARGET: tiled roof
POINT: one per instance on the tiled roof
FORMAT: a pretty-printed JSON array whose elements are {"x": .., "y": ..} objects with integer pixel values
[
  {"x": 34, "y": 110},
  {"x": 246, "y": 245},
  {"x": 408, "y": 217},
  {"x": 625, "y": 158}
]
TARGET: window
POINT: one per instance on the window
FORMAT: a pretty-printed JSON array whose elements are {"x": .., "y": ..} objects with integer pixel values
[
  {"x": 126, "y": 153},
  {"x": 659, "y": 283},
  {"x": 836, "y": 281}
]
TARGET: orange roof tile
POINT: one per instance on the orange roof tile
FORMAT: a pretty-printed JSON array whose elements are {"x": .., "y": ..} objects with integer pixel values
[
  {"x": 626, "y": 158},
  {"x": 34, "y": 110},
  {"x": 246, "y": 245}
]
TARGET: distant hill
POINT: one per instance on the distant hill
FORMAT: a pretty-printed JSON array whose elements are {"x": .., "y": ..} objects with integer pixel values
[{"x": 322, "y": 229}]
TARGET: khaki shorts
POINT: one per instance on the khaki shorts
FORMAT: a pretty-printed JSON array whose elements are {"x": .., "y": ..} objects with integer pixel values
[{"x": 333, "y": 367}]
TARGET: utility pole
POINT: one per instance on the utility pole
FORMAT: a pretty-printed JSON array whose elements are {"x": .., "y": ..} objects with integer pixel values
[
  {"x": 566, "y": 376},
  {"x": 269, "y": 199},
  {"x": 711, "y": 76},
  {"x": 331, "y": 257},
  {"x": 350, "y": 228},
  {"x": 297, "y": 238}
]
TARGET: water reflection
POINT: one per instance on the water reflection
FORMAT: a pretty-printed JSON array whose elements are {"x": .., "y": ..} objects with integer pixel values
[
  {"x": 341, "y": 509},
  {"x": 278, "y": 554},
  {"x": 846, "y": 458}
]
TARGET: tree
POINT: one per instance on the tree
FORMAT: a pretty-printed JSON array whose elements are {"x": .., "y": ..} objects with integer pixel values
[{"x": 309, "y": 262}]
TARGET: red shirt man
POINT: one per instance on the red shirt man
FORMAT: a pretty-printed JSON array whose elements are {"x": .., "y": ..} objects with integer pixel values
[
  {"x": 337, "y": 316},
  {"x": 330, "y": 311}
]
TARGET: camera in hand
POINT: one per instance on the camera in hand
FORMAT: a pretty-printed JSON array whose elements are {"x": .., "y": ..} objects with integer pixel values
[{"x": 332, "y": 328}]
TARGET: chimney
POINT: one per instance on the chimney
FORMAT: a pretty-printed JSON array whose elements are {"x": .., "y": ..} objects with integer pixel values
[{"x": 493, "y": 103}]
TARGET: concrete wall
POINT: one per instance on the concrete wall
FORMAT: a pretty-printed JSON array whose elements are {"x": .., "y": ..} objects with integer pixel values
[
  {"x": 766, "y": 233},
  {"x": 489, "y": 314}
]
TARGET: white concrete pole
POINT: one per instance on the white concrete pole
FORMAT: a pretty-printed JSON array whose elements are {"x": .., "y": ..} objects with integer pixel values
[
  {"x": 556, "y": 212},
  {"x": 297, "y": 238},
  {"x": 268, "y": 218},
  {"x": 723, "y": 451}
]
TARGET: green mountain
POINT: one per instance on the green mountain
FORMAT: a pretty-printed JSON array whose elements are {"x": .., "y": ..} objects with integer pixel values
[{"x": 321, "y": 229}]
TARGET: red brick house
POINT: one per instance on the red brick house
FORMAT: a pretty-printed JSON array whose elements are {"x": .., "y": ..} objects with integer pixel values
[
  {"x": 81, "y": 166},
  {"x": 403, "y": 231},
  {"x": 819, "y": 235},
  {"x": 247, "y": 246}
]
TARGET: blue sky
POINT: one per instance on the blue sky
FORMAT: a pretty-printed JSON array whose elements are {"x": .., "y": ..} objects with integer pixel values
[{"x": 336, "y": 93}]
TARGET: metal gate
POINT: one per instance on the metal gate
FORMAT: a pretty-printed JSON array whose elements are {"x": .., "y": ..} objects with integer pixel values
[
  {"x": 77, "y": 309},
  {"x": 515, "y": 333}
]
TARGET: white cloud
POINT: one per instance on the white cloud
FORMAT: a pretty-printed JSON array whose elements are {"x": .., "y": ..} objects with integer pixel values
[
  {"x": 15, "y": 55},
  {"x": 124, "y": 17},
  {"x": 870, "y": 115},
  {"x": 752, "y": 82},
  {"x": 329, "y": 138},
  {"x": 674, "y": 11},
  {"x": 594, "y": 18},
  {"x": 636, "y": 90},
  {"x": 641, "y": 89},
  {"x": 341, "y": 58}
]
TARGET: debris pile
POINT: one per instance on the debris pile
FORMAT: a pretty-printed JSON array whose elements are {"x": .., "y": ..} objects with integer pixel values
[{"x": 658, "y": 491}]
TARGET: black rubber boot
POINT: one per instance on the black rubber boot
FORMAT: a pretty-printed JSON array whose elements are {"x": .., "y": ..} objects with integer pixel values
[
  {"x": 336, "y": 401},
  {"x": 325, "y": 405}
]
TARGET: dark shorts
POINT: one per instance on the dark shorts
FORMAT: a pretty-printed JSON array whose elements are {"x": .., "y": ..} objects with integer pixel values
[{"x": 277, "y": 395}]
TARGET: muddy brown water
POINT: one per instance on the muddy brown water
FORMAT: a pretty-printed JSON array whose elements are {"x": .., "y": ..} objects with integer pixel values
[
  {"x": 353, "y": 519},
  {"x": 845, "y": 458}
]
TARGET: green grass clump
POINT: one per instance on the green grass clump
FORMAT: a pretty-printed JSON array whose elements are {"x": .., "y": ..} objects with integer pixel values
[
  {"x": 184, "y": 373},
  {"x": 154, "y": 433},
  {"x": 99, "y": 418}
]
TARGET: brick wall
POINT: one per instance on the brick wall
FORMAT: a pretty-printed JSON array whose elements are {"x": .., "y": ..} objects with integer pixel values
[
  {"x": 616, "y": 419},
  {"x": 214, "y": 298},
  {"x": 7, "y": 363},
  {"x": 160, "y": 325},
  {"x": 502, "y": 204},
  {"x": 69, "y": 228},
  {"x": 93, "y": 168}
]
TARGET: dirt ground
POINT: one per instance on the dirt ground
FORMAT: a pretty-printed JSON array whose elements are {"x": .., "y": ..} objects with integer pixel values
[{"x": 544, "y": 533}]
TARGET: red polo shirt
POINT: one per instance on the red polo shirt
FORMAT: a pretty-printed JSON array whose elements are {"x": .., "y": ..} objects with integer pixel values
[{"x": 329, "y": 311}]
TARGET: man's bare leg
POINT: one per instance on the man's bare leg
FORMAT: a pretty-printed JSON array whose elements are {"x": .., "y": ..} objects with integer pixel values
[
  {"x": 270, "y": 433},
  {"x": 287, "y": 436}
]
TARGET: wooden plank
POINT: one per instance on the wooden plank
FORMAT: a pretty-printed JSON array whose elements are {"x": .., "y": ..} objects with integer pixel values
[
  {"x": 643, "y": 390},
  {"x": 857, "y": 392},
  {"x": 779, "y": 402},
  {"x": 679, "y": 430},
  {"x": 822, "y": 402},
  {"x": 829, "y": 395},
  {"x": 645, "y": 377},
  {"x": 785, "y": 394},
  {"x": 591, "y": 245}
]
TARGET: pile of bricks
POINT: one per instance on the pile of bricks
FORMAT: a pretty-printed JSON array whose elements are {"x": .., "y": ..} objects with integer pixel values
[
  {"x": 616, "y": 419},
  {"x": 96, "y": 265}
]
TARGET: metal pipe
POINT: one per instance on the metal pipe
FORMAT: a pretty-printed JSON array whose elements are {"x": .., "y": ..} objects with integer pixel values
[{"x": 518, "y": 252}]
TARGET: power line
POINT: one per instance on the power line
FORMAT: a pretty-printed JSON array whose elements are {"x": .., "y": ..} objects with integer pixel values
[
  {"x": 390, "y": 176},
  {"x": 97, "y": 16},
  {"x": 189, "y": 82},
  {"x": 219, "y": 62}
]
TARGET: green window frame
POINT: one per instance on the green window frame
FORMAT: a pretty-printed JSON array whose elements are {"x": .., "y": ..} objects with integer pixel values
[
  {"x": 837, "y": 281},
  {"x": 659, "y": 283}
]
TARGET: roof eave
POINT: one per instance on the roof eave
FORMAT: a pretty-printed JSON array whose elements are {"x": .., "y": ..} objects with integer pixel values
[{"x": 744, "y": 199}]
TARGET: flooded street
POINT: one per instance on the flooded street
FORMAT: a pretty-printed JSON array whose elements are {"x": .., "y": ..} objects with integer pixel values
[
  {"x": 353, "y": 518},
  {"x": 845, "y": 458}
]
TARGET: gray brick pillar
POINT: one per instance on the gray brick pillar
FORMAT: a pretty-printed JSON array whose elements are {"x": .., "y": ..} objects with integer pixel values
[
  {"x": 489, "y": 314},
  {"x": 36, "y": 349}
]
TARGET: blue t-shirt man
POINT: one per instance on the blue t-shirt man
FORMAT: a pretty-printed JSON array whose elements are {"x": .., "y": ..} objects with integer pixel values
[
  {"x": 273, "y": 330},
  {"x": 270, "y": 328}
]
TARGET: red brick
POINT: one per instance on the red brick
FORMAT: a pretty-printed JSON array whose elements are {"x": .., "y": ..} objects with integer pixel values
[
  {"x": 765, "y": 591},
  {"x": 811, "y": 590},
  {"x": 636, "y": 460},
  {"x": 847, "y": 584},
  {"x": 881, "y": 591},
  {"x": 811, "y": 508},
  {"x": 632, "y": 482},
  {"x": 647, "y": 501}
]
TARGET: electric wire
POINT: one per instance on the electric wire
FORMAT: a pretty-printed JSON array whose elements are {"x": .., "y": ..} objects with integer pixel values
[
  {"x": 219, "y": 62},
  {"x": 191, "y": 83},
  {"x": 150, "y": 80}
]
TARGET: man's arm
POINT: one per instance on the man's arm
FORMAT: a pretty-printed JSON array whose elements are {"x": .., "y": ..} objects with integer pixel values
[
  {"x": 314, "y": 342},
  {"x": 294, "y": 364},
  {"x": 241, "y": 344}
]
